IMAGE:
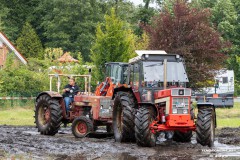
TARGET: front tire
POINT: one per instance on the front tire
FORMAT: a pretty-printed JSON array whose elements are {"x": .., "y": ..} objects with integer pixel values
[
  {"x": 205, "y": 127},
  {"x": 143, "y": 134},
  {"x": 82, "y": 126},
  {"x": 123, "y": 117},
  {"x": 48, "y": 115}
]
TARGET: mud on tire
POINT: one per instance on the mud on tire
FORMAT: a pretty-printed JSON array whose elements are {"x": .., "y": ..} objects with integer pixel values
[
  {"x": 205, "y": 127},
  {"x": 82, "y": 126},
  {"x": 48, "y": 115},
  {"x": 143, "y": 134},
  {"x": 182, "y": 137},
  {"x": 123, "y": 117}
]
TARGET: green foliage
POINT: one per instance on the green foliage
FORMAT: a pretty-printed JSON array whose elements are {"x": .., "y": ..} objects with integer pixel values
[
  {"x": 204, "y": 3},
  {"x": 234, "y": 63},
  {"x": 29, "y": 43},
  {"x": 18, "y": 13},
  {"x": 225, "y": 17},
  {"x": 3, "y": 14},
  {"x": 114, "y": 43},
  {"x": 21, "y": 79},
  {"x": 71, "y": 25},
  {"x": 53, "y": 54}
]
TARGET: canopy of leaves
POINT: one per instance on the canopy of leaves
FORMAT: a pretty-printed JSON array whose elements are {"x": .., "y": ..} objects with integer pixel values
[
  {"x": 114, "y": 43},
  {"x": 29, "y": 43},
  {"x": 188, "y": 32}
]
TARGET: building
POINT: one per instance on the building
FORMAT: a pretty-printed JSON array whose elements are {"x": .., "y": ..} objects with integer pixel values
[{"x": 7, "y": 47}]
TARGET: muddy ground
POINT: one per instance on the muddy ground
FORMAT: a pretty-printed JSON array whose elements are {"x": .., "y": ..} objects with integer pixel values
[{"x": 27, "y": 143}]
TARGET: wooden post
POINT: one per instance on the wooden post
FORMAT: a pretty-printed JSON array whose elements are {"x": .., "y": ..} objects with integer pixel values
[
  {"x": 85, "y": 79},
  {"x": 50, "y": 83}
]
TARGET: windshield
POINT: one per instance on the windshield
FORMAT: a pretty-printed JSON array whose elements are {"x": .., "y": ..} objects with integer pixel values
[
  {"x": 154, "y": 71},
  {"x": 114, "y": 72}
]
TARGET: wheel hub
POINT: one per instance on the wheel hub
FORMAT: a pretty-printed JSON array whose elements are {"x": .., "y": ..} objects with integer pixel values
[
  {"x": 82, "y": 127},
  {"x": 47, "y": 115}
]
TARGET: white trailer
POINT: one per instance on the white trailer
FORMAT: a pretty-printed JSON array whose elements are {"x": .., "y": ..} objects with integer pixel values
[{"x": 221, "y": 94}]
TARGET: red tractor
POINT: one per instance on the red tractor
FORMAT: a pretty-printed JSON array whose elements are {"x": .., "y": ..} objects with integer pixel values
[
  {"x": 157, "y": 100},
  {"x": 87, "y": 111}
]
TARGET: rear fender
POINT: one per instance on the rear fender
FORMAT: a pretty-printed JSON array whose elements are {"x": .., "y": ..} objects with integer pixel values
[
  {"x": 207, "y": 105},
  {"x": 50, "y": 94}
]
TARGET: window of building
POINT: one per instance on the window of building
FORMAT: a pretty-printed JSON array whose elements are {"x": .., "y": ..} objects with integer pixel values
[{"x": 224, "y": 79}]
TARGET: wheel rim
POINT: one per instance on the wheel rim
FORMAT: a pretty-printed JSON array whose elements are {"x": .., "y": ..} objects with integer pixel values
[
  {"x": 81, "y": 128},
  {"x": 44, "y": 115}
]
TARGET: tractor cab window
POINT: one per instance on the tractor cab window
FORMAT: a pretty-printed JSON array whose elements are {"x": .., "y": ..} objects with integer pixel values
[
  {"x": 153, "y": 74},
  {"x": 114, "y": 72},
  {"x": 125, "y": 74},
  {"x": 134, "y": 76}
]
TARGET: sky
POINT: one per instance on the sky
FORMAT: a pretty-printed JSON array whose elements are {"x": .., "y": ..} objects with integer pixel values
[{"x": 137, "y": 2}]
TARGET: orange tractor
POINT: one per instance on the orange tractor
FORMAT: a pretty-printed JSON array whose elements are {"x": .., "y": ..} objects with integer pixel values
[
  {"x": 87, "y": 111},
  {"x": 159, "y": 101}
]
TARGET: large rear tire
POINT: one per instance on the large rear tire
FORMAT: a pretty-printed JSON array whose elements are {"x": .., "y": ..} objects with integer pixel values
[
  {"x": 182, "y": 137},
  {"x": 82, "y": 126},
  {"x": 143, "y": 134},
  {"x": 205, "y": 127},
  {"x": 48, "y": 115},
  {"x": 123, "y": 117}
]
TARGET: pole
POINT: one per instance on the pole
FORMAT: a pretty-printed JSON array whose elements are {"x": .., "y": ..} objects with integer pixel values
[
  {"x": 50, "y": 83},
  {"x": 165, "y": 74}
]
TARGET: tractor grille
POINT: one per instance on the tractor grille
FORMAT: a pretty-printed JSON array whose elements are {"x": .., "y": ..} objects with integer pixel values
[
  {"x": 105, "y": 108},
  {"x": 180, "y": 105}
]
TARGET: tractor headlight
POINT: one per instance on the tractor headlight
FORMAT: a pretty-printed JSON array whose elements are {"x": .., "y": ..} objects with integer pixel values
[
  {"x": 185, "y": 111},
  {"x": 174, "y": 111}
]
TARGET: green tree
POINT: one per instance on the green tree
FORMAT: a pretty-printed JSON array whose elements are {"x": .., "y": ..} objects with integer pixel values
[
  {"x": 224, "y": 16},
  {"x": 3, "y": 14},
  {"x": 204, "y": 3},
  {"x": 18, "y": 13},
  {"x": 114, "y": 43},
  {"x": 71, "y": 25},
  {"x": 29, "y": 43}
]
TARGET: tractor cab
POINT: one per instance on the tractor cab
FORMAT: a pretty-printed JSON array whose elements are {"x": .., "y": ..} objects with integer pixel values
[
  {"x": 154, "y": 71},
  {"x": 116, "y": 74}
]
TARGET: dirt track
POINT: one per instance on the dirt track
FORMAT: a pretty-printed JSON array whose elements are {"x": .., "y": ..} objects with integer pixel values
[{"x": 27, "y": 143}]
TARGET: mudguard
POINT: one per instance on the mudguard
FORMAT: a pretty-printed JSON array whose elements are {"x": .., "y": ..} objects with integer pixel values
[{"x": 51, "y": 94}]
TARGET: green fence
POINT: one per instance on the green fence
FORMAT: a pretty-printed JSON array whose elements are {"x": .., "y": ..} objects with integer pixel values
[{"x": 17, "y": 100}]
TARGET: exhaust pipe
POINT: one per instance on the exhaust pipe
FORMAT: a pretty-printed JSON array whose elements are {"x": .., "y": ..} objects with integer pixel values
[{"x": 165, "y": 73}]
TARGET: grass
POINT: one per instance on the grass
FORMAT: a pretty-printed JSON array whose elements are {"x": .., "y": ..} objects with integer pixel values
[
  {"x": 228, "y": 117},
  {"x": 19, "y": 116}
]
